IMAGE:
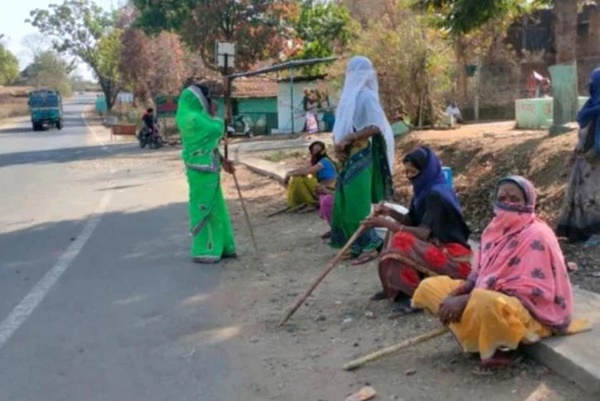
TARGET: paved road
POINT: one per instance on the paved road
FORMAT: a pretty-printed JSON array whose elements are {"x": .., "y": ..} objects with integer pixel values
[{"x": 98, "y": 300}]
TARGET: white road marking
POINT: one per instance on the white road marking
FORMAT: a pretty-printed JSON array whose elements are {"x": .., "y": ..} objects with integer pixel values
[
  {"x": 37, "y": 294},
  {"x": 96, "y": 137}
]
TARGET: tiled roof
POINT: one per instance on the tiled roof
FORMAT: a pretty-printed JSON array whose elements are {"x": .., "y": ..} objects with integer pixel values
[
  {"x": 244, "y": 88},
  {"x": 256, "y": 87}
]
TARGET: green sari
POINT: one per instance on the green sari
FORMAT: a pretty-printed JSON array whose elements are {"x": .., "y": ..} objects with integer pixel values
[
  {"x": 365, "y": 179},
  {"x": 210, "y": 224}
]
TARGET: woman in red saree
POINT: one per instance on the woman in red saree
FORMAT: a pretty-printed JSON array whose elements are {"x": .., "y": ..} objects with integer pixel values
[{"x": 432, "y": 239}]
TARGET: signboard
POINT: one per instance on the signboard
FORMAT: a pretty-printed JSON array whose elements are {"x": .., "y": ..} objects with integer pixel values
[
  {"x": 166, "y": 106},
  {"x": 225, "y": 54}
]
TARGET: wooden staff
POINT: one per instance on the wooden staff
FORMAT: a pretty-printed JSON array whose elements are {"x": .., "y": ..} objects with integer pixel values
[
  {"x": 239, "y": 191},
  {"x": 325, "y": 272},
  {"x": 287, "y": 209},
  {"x": 394, "y": 348}
]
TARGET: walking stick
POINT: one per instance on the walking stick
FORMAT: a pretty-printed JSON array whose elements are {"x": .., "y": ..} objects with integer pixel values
[
  {"x": 395, "y": 348},
  {"x": 239, "y": 191},
  {"x": 325, "y": 272}
]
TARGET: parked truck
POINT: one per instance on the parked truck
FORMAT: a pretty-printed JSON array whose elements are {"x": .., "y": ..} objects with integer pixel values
[{"x": 45, "y": 109}]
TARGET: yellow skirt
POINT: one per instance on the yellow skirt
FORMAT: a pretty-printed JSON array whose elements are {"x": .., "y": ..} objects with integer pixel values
[
  {"x": 302, "y": 191},
  {"x": 491, "y": 320}
]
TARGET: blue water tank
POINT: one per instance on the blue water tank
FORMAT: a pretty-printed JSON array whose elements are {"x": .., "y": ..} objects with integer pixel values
[{"x": 449, "y": 176}]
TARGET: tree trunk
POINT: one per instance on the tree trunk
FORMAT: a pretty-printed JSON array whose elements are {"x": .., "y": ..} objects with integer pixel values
[
  {"x": 564, "y": 73},
  {"x": 461, "y": 69}
]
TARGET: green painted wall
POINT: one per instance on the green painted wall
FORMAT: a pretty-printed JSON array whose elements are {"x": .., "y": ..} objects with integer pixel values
[{"x": 262, "y": 112}]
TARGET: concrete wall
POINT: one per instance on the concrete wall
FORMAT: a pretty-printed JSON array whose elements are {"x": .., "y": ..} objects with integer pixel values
[{"x": 285, "y": 104}]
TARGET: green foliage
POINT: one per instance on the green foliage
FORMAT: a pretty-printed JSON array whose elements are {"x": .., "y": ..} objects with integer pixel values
[
  {"x": 109, "y": 50},
  {"x": 9, "y": 66},
  {"x": 258, "y": 27},
  {"x": 49, "y": 70},
  {"x": 415, "y": 64},
  {"x": 77, "y": 28},
  {"x": 323, "y": 28},
  {"x": 464, "y": 16}
]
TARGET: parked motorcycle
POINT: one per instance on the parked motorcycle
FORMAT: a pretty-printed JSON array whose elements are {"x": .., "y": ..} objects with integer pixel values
[
  {"x": 240, "y": 125},
  {"x": 150, "y": 137}
]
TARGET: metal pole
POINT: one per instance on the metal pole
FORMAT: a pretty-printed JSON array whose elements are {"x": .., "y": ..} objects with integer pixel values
[
  {"x": 477, "y": 88},
  {"x": 227, "y": 111},
  {"x": 292, "y": 98}
]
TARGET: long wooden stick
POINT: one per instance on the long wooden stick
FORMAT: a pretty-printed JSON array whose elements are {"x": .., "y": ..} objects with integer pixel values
[
  {"x": 395, "y": 348},
  {"x": 332, "y": 265},
  {"x": 239, "y": 191}
]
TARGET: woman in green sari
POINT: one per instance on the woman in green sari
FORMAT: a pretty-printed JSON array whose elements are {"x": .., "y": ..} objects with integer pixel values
[
  {"x": 364, "y": 143},
  {"x": 201, "y": 131}
]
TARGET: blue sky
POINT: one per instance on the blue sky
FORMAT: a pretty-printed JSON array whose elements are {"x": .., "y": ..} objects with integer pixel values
[{"x": 13, "y": 26}]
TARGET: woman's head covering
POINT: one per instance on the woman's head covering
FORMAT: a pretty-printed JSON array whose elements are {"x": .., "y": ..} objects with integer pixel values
[
  {"x": 359, "y": 105},
  {"x": 591, "y": 109},
  {"x": 430, "y": 176},
  {"x": 520, "y": 256},
  {"x": 202, "y": 92}
]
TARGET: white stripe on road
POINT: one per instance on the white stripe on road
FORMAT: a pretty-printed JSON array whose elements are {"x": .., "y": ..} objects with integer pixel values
[{"x": 37, "y": 294}]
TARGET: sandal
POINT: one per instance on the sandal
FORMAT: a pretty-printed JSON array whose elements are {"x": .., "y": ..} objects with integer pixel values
[
  {"x": 365, "y": 258},
  {"x": 378, "y": 296},
  {"x": 327, "y": 235},
  {"x": 404, "y": 309},
  {"x": 500, "y": 360}
]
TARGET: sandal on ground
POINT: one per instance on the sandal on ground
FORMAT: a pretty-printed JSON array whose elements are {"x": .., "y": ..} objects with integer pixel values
[
  {"x": 500, "y": 360},
  {"x": 365, "y": 258},
  {"x": 378, "y": 296},
  {"x": 205, "y": 261},
  {"x": 327, "y": 235},
  {"x": 404, "y": 309}
]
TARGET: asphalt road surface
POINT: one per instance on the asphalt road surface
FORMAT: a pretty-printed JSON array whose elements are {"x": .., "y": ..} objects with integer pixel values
[{"x": 98, "y": 300}]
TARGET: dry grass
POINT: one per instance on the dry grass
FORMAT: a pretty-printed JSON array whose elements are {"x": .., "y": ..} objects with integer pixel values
[{"x": 13, "y": 101}]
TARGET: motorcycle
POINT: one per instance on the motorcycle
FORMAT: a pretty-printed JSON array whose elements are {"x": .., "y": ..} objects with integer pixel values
[
  {"x": 150, "y": 137},
  {"x": 240, "y": 124}
]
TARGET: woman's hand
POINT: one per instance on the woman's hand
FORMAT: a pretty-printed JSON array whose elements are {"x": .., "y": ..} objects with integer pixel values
[
  {"x": 340, "y": 150},
  {"x": 228, "y": 166},
  {"x": 452, "y": 308},
  {"x": 382, "y": 210},
  {"x": 376, "y": 222}
]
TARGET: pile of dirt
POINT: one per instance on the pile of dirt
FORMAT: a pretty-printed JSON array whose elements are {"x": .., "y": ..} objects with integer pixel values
[{"x": 478, "y": 162}]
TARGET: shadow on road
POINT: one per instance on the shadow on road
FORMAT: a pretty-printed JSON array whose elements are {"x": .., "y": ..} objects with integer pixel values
[{"x": 82, "y": 153}]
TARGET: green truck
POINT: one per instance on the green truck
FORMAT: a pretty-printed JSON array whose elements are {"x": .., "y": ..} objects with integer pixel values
[{"x": 45, "y": 108}]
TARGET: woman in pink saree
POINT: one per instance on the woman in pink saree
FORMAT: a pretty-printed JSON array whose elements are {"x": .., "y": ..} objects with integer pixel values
[{"x": 519, "y": 289}]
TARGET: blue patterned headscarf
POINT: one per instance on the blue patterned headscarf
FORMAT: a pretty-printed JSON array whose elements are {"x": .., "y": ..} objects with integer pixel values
[
  {"x": 590, "y": 112},
  {"x": 430, "y": 176}
]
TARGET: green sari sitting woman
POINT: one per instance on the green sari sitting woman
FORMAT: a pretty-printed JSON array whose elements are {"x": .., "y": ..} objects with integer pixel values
[
  {"x": 364, "y": 143},
  {"x": 201, "y": 132},
  {"x": 305, "y": 185}
]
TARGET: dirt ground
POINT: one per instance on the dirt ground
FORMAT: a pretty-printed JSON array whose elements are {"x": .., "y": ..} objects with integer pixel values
[
  {"x": 479, "y": 155},
  {"x": 302, "y": 360}
]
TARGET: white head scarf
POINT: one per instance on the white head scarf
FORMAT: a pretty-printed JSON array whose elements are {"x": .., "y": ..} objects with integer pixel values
[{"x": 359, "y": 105}]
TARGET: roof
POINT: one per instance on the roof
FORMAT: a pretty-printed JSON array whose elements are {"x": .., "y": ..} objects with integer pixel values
[
  {"x": 254, "y": 88},
  {"x": 284, "y": 66},
  {"x": 246, "y": 87}
]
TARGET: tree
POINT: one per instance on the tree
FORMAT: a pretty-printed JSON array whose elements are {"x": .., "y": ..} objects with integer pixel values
[
  {"x": 259, "y": 28},
  {"x": 48, "y": 70},
  {"x": 35, "y": 44},
  {"x": 9, "y": 66},
  {"x": 463, "y": 16},
  {"x": 78, "y": 28},
  {"x": 323, "y": 28},
  {"x": 109, "y": 51},
  {"x": 413, "y": 61}
]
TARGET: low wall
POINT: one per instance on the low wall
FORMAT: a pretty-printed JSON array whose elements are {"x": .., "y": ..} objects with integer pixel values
[{"x": 536, "y": 113}]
